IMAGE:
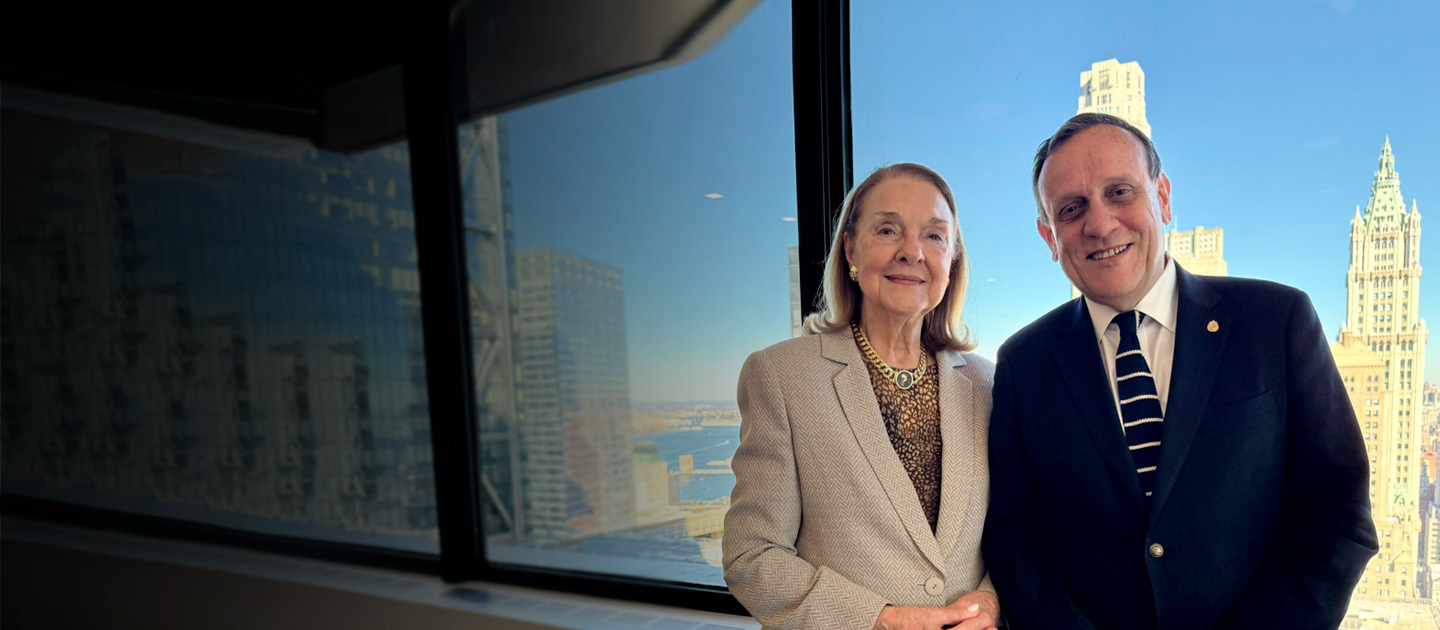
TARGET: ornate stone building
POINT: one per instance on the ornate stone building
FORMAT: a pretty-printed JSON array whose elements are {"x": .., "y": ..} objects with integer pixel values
[{"x": 1382, "y": 352}]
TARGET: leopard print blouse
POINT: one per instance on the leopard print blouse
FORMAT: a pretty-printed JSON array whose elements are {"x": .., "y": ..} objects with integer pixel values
[{"x": 912, "y": 418}]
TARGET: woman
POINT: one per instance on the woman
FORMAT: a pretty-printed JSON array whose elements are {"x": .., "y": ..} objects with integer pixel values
[{"x": 861, "y": 478}]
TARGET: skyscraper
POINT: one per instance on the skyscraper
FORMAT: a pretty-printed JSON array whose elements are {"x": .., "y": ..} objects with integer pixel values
[
  {"x": 1392, "y": 573},
  {"x": 490, "y": 262},
  {"x": 578, "y": 477},
  {"x": 1111, "y": 87},
  {"x": 1383, "y": 317},
  {"x": 1199, "y": 251},
  {"x": 1429, "y": 524},
  {"x": 1118, "y": 89},
  {"x": 797, "y": 316}
]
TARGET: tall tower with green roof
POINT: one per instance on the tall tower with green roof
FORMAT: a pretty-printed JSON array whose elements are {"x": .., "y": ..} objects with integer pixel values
[{"x": 1383, "y": 314}]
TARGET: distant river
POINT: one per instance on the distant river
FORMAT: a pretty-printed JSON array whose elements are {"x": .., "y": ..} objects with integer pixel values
[{"x": 709, "y": 443}]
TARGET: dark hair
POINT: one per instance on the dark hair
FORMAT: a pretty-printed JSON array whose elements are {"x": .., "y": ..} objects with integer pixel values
[{"x": 1077, "y": 124}]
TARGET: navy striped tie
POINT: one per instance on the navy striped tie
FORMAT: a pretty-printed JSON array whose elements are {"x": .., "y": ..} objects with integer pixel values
[{"x": 1139, "y": 401}]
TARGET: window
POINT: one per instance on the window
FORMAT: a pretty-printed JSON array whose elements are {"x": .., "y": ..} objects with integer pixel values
[
  {"x": 644, "y": 232},
  {"x": 247, "y": 313},
  {"x": 215, "y": 327},
  {"x": 226, "y": 328},
  {"x": 945, "y": 86}
]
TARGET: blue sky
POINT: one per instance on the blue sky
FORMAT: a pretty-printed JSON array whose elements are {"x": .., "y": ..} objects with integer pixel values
[{"x": 1269, "y": 120}]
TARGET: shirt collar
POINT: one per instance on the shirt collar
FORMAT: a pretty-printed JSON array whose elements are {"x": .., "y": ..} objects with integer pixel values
[{"x": 1159, "y": 304}]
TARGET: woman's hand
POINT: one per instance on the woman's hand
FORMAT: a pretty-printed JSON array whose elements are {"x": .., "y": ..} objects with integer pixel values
[
  {"x": 921, "y": 617},
  {"x": 976, "y": 610},
  {"x": 981, "y": 608}
]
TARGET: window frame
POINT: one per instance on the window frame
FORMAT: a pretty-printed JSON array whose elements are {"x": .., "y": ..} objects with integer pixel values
[
  {"x": 824, "y": 173},
  {"x": 820, "y": 60}
]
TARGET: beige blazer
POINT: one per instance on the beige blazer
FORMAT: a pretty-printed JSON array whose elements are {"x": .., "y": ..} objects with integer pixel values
[{"x": 825, "y": 527}]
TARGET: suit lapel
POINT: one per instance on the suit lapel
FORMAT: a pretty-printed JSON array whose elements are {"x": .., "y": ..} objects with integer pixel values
[
  {"x": 1077, "y": 354},
  {"x": 963, "y": 487},
  {"x": 857, "y": 400},
  {"x": 1192, "y": 377}
]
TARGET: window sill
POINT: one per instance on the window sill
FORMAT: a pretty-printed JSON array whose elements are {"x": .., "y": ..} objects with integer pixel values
[{"x": 352, "y": 587}]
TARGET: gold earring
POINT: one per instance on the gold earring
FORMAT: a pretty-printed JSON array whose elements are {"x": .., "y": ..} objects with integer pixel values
[{"x": 854, "y": 274}]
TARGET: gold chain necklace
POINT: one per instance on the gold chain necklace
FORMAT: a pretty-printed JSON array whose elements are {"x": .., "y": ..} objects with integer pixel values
[{"x": 904, "y": 379}]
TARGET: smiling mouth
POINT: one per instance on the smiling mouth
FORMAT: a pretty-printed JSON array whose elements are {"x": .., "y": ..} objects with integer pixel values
[
  {"x": 1102, "y": 255},
  {"x": 905, "y": 279}
]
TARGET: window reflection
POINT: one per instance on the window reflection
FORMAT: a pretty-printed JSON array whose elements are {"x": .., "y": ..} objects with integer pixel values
[{"x": 200, "y": 328}]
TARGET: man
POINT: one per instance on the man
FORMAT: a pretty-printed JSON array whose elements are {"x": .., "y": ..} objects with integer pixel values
[{"x": 1168, "y": 451}]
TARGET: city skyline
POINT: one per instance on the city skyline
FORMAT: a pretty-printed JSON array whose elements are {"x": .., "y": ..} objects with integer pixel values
[
  {"x": 964, "y": 89},
  {"x": 631, "y": 245},
  {"x": 1245, "y": 145}
]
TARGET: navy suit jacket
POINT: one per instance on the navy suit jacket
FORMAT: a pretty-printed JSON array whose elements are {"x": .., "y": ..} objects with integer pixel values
[{"x": 1260, "y": 501}]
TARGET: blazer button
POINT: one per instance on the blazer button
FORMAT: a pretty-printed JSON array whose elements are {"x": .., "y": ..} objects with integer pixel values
[
  {"x": 935, "y": 586},
  {"x": 1156, "y": 550}
]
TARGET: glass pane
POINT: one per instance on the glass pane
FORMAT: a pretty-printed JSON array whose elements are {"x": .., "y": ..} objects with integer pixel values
[
  {"x": 1273, "y": 139},
  {"x": 628, "y": 248},
  {"x": 212, "y": 325}
]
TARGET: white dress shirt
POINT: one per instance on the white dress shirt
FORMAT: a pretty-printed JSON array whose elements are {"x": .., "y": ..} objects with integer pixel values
[{"x": 1156, "y": 333}]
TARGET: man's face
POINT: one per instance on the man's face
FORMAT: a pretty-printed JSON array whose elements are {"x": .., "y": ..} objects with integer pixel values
[{"x": 1104, "y": 217}]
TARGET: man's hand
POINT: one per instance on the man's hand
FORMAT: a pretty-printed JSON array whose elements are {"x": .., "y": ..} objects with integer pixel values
[
  {"x": 980, "y": 610},
  {"x": 920, "y": 618}
]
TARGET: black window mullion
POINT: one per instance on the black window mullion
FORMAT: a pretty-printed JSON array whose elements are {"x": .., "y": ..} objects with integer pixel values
[
  {"x": 820, "y": 31},
  {"x": 439, "y": 231},
  {"x": 823, "y": 156}
]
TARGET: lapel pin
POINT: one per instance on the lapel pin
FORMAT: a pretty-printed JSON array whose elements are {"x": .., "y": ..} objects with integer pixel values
[{"x": 1213, "y": 326}]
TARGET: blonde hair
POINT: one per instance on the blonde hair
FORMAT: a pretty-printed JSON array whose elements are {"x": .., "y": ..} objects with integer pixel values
[{"x": 839, "y": 300}]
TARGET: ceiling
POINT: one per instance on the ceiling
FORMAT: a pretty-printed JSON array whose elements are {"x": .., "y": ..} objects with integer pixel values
[{"x": 330, "y": 72}]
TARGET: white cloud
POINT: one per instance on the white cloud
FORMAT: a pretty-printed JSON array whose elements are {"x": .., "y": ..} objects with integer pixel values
[
  {"x": 1342, "y": 7},
  {"x": 987, "y": 109},
  {"x": 714, "y": 195},
  {"x": 1322, "y": 142}
]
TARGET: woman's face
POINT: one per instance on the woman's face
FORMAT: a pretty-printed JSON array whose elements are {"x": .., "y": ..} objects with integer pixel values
[{"x": 902, "y": 248}]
